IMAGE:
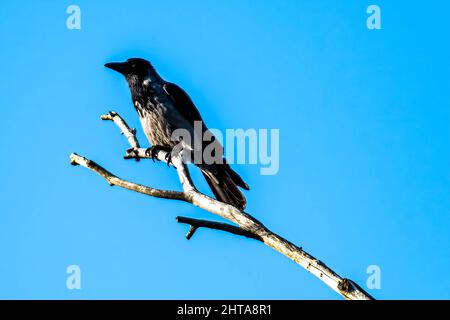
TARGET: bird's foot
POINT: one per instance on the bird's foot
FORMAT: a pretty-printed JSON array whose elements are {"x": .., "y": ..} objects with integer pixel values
[{"x": 152, "y": 152}]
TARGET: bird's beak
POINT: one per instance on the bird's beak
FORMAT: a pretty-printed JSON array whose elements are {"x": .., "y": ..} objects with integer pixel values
[{"x": 120, "y": 67}]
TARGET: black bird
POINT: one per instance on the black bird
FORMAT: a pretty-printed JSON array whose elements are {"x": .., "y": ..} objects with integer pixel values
[{"x": 164, "y": 107}]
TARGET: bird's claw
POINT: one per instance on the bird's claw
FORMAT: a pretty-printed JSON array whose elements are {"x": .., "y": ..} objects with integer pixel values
[
  {"x": 168, "y": 158},
  {"x": 152, "y": 152}
]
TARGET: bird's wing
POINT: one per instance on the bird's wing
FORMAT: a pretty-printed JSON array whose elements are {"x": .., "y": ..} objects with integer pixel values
[
  {"x": 221, "y": 178},
  {"x": 182, "y": 102},
  {"x": 189, "y": 112}
]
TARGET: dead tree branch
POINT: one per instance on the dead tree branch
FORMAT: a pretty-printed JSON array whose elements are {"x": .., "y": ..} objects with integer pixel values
[
  {"x": 246, "y": 225},
  {"x": 196, "y": 223}
]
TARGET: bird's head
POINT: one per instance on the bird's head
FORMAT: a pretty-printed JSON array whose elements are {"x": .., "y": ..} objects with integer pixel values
[{"x": 134, "y": 69}]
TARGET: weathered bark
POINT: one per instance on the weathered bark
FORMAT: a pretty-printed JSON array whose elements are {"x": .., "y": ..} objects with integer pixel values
[{"x": 246, "y": 225}]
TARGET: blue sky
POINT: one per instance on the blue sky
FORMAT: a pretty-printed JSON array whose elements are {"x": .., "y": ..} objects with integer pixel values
[{"x": 364, "y": 147}]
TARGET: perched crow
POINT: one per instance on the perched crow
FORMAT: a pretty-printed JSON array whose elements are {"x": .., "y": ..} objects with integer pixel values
[{"x": 164, "y": 107}]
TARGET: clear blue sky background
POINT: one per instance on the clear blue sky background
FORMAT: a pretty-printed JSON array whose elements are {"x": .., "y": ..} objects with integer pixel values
[{"x": 365, "y": 147}]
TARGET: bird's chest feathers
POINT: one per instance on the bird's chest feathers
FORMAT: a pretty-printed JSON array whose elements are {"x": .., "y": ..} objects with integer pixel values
[{"x": 153, "y": 117}]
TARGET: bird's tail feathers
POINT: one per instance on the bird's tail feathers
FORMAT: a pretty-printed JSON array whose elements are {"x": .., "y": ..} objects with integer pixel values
[
  {"x": 236, "y": 178},
  {"x": 225, "y": 188}
]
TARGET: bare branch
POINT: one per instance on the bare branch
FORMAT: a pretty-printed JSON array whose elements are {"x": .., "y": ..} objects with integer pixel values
[
  {"x": 196, "y": 223},
  {"x": 75, "y": 160},
  {"x": 130, "y": 134},
  {"x": 246, "y": 224}
]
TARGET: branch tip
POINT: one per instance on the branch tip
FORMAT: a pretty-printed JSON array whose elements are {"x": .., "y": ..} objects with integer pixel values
[
  {"x": 191, "y": 232},
  {"x": 109, "y": 116},
  {"x": 74, "y": 159}
]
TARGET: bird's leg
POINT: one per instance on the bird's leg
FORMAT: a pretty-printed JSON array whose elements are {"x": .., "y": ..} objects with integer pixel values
[
  {"x": 168, "y": 156},
  {"x": 153, "y": 151},
  {"x": 174, "y": 151}
]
